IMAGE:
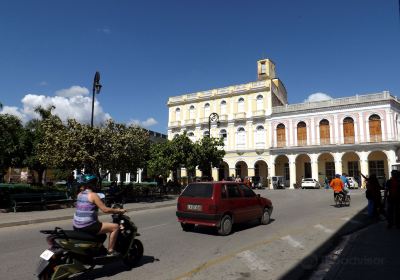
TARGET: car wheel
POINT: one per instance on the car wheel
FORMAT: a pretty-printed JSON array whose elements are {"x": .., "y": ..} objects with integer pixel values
[
  {"x": 187, "y": 227},
  {"x": 225, "y": 226},
  {"x": 266, "y": 217}
]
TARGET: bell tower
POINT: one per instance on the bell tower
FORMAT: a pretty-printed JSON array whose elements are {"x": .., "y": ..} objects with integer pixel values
[{"x": 265, "y": 69}]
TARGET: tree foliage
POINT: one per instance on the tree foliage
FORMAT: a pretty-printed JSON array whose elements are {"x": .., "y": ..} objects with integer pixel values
[
  {"x": 182, "y": 152},
  {"x": 11, "y": 145},
  {"x": 113, "y": 147}
]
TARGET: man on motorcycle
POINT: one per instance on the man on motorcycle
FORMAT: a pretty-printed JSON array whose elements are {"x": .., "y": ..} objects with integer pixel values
[
  {"x": 337, "y": 185},
  {"x": 86, "y": 216}
]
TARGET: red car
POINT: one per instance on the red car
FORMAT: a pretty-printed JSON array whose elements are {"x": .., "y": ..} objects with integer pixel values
[{"x": 220, "y": 204}]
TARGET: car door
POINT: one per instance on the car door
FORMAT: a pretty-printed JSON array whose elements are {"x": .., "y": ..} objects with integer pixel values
[
  {"x": 251, "y": 208},
  {"x": 235, "y": 202}
]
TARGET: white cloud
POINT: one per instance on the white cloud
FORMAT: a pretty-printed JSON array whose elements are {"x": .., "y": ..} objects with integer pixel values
[
  {"x": 13, "y": 111},
  {"x": 318, "y": 96},
  {"x": 105, "y": 30},
  {"x": 72, "y": 91},
  {"x": 77, "y": 107},
  {"x": 147, "y": 123}
]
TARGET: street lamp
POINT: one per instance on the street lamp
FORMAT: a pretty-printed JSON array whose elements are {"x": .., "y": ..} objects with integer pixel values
[
  {"x": 212, "y": 118},
  {"x": 96, "y": 89}
]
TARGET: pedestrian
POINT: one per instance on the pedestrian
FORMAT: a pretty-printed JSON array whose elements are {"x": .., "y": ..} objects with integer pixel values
[
  {"x": 326, "y": 183},
  {"x": 238, "y": 180},
  {"x": 392, "y": 197},
  {"x": 70, "y": 183},
  {"x": 373, "y": 194}
]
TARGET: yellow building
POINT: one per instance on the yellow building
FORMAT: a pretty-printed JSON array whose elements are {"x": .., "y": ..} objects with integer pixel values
[{"x": 265, "y": 136}]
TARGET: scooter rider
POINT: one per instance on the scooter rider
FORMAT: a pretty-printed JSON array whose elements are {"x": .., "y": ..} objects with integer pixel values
[
  {"x": 337, "y": 185},
  {"x": 86, "y": 215}
]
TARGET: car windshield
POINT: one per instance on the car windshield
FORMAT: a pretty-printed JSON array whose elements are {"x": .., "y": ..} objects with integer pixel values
[{"x": 198, "y": 190}]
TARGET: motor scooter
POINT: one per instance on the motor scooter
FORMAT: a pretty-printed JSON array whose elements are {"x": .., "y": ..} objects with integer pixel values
[{"x": 73, "y": 252}]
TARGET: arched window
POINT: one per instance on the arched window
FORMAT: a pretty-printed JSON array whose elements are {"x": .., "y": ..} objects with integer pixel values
[
  {"x": 191, "y": 136},
  {"x": 241, "y": 138},
  {"x": 206, "y": 110},
  {"x": 348, "y": 130},
  {"x": 375, "y": 130},
  {"x": 177, "y": 114},
  {"x": 260, "y": 102},
  {"x": 223, "y": 107},
  {"x": 324, "y": 132},
  {"x": 224, "y": 136},
  {"x": 301, "y": 134},
  {"x": 281, "y": 135},
  {"x": 192, "y": 112},
  {"x": 241, "y": 105},
  {"x": 259, "y": 137}
]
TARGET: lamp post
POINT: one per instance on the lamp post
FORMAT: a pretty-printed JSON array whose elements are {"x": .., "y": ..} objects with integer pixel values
[
  {"x": 96, "y": 89},
  {"x": 212, "y": 118}
]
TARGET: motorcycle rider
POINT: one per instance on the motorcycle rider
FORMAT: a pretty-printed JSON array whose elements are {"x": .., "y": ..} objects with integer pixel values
[
  {"x": 337, "y": 185},
  {"x": 86, "y": 216}
]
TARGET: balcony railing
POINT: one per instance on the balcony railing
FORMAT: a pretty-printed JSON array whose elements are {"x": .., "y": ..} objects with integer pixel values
[
  {"x": 302, "y": 142},
  {"x": 223, "y": 118},
  {"x": 259, "y": 114},
  {"x": 240, "y": 116},
  {"x": 190, "y": 122},
  {"x": 175, "y": 124},
  {"x": 385, "y": 95},
  {"x": 281, "y": 144},
  {"x": 375, "y": 138},
  {"x": 349, "y": 140},
  {"x": 325, "y": 141}
]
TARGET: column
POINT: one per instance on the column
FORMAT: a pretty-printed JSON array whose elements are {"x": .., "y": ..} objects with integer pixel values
[
  {"x": 314, "y": 166},
  {"x": 292, "y": 171},
  {"x": 363, "y": 167},
  {"x": 250, "y": 171},
  {"x": 271, "y": 171},
  {"x": 128, "y": 177},
  {"x": 387, "y": 127},
  {"x": 361, "y": 124},
  {"x": 336, "y": 127},
  {"x": 312, "y": 133},
  {"x": 214, "y": 173},
  {"x": 118, "y": 177},
  {"x": 338, "y": 163},
  {"x": 109, "y": 176},
  {"x": 198, "y": 172}
]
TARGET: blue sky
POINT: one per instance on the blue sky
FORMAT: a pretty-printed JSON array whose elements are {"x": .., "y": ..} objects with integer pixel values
[{"x": 147, "y": 51}]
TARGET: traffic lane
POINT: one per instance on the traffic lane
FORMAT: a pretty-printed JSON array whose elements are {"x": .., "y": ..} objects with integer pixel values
[
  {"x": 168, "y": 250},
  {"x": 177, "y": 253}
]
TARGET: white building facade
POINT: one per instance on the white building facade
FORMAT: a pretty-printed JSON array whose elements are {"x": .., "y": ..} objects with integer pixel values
[{"x": 265, "y": 136}]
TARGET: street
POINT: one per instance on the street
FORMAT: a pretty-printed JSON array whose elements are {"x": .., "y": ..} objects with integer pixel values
[{"x": 302, "y": 220}]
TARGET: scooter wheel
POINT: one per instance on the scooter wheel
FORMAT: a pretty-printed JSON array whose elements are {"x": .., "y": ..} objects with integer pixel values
[
  {"x": 46, "y": 275},
  {"x": 135, "y": 254}
]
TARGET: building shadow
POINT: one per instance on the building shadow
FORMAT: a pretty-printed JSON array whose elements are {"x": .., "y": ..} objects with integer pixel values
[{"x": 305, "y": 267}]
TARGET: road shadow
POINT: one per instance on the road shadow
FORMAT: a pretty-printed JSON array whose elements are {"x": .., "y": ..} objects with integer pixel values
[
  {"x": 112, "y": 269},
  {"x": 308, "y": 264},
  {"x": 236, "y": 228}
]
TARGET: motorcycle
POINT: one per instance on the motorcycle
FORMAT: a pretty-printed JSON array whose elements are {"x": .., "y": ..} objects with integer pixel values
[{"x": 73, "y": 252}]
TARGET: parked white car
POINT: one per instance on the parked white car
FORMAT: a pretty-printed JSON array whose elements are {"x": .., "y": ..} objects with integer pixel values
[
  {"x": 310, "y": 183},
  {"x": 353, "y": 183}
]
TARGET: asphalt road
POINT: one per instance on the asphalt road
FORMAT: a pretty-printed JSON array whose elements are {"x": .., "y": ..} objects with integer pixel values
[{"x": 302, "y": 221}]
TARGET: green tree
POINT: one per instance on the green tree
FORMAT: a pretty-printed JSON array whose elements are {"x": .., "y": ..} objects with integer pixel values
[
  {"x": 113, "y": 147},
  {"x": 32, "y": 137},
  {"x": 11, "y": 151},
  {"x": 159, "y": 162},
  {"x": 210, "y": 153}
]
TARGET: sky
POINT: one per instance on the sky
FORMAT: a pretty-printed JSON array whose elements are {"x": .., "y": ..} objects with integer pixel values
[{"x": 148, "y": 51}]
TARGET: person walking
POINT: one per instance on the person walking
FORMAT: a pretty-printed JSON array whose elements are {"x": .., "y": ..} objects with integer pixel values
[
  {"x": 373, "y": 194},
  {"x": 392, "y": 197}
]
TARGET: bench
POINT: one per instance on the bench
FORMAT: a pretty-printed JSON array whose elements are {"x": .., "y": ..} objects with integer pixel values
[{"x": 43, "y": 199}]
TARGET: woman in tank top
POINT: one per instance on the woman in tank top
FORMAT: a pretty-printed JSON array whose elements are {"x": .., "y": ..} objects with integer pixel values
[{"x": 86, "y": 215}]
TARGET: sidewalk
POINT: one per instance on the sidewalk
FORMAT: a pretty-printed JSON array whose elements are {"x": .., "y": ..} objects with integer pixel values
[
  {"x": 371, "y": 253},
  {"x": 35, "y": 217}
]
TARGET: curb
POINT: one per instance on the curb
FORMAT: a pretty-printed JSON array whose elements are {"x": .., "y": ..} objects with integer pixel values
[{"x": 61, "y": 218}]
